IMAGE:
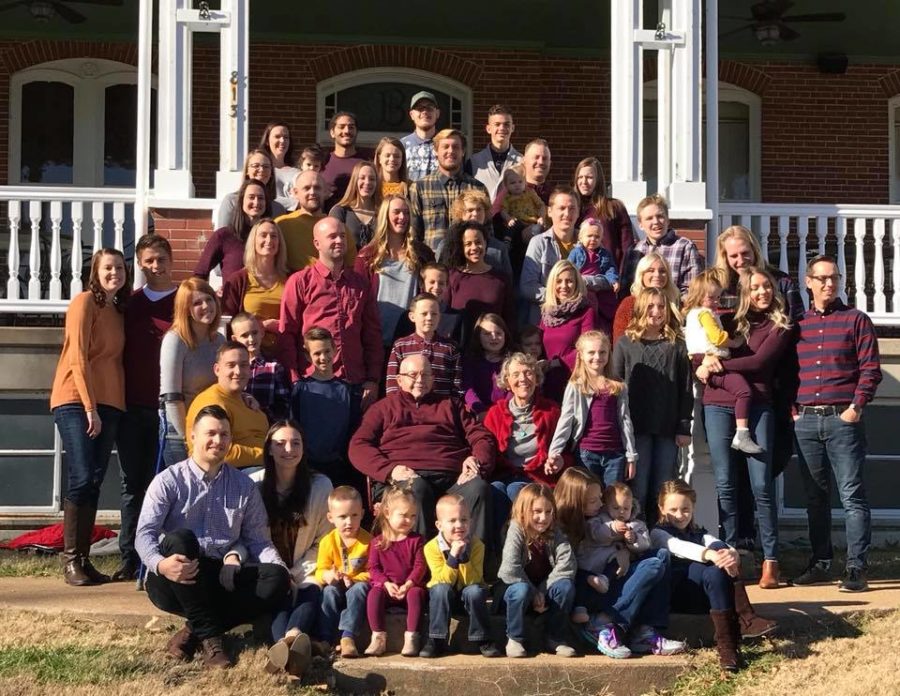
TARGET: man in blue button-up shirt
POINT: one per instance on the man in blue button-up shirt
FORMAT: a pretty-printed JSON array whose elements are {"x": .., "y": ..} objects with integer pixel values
[{"x": 203, "y": 535}]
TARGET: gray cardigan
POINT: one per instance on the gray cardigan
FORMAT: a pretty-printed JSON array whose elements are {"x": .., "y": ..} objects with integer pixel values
[
  {"x": 516, "y": 556},
  {"x": 573, "y": 419}
]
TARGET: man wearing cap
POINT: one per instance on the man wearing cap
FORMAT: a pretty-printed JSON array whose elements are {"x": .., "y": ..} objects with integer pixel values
[{"x": 420, "y": 157}]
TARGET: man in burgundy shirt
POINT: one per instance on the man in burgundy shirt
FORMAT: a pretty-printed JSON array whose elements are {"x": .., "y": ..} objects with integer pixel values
[
  {"x": 334, "y": 297},
  {"x": 430, "y": 443},
  {"x": 839, "y": 372},
  {"x": 340, "y": 161}
]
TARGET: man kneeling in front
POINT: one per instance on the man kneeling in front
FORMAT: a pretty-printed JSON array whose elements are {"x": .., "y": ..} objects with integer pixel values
[{"x": 203, "y": 536}]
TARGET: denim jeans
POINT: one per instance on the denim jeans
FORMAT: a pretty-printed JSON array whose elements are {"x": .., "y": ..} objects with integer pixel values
[
  {"x": 342, "y": 609},
  {"x": 699, "y": 587},
  {"x": 174, "y": 446},
  {"x": 609, "y": 467},
  {"x": 86, "y": 457},
  {"x": 444, "y": 600},
  {"x": 824, "y": 441},
  {"x": 503, "y": 495},
  {"x": 720, "y": 429},
  {"x": 518, "y": 598},
  {"x": 657, "y": 463},
  {"x": 138, "y": 445},
  {"x": 299, "y": 610},
  {"x": 642, "y": 596}
]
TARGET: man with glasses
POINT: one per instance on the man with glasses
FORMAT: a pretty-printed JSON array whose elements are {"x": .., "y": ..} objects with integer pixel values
[
  {"x": 430, "y": 443},
  {"x": 839, "y": 373},
  {"x": 420, "y": 156}
]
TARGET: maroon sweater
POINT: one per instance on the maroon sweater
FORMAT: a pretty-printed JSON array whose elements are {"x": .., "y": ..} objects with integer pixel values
[
  {"x": 401, "y": 561},
  {"x": 224, "y": 247},
  {"x": 145, "y": 324},
  {"x": 435, "y": 433},
  {"x": 757, "y": 360},
  {"x": 473, "y": 294}
]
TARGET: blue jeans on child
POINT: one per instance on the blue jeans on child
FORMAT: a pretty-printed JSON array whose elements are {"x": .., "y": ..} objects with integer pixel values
[
  {"x": 642, "y": 596},
  {"x": 343, "y": 609},
  {"x": 698, "y": 587},
  {"x": 299, "y": 610},
  {"x": 444, "y": 599},
  {"x": 86, "y": 458},
  {"x": 657, "y": 463},
  {"x": 518, "y": 598},
  {"x": 609, "y": 467},
  {"x": 503, "y": 495}
]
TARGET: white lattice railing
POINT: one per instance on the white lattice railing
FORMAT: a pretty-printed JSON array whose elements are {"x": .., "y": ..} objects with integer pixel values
[
  {"x": 49, "y": 235},
  {"x": 864, "y": 239}
]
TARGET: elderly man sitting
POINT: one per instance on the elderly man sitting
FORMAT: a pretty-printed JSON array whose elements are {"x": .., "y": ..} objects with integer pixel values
[{"x": 430, "y": 443}]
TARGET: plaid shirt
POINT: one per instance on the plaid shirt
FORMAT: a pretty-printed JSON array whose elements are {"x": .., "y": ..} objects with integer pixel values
[
  {"x": 270, "y": 386},
  {"x": 430, "y": 200},
  {"x": 679, "y": 252},
  {"x": 441, "y": 352}
]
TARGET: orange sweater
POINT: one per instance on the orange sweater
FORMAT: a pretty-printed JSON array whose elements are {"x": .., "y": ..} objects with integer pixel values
[{"x": 90, "y": 369}]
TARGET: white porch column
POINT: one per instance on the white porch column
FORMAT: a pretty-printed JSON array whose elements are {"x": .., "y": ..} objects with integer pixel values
[
  {"x": 142, "y": 153},
  {"x": 626, "y": 82},
  {"x": 712, "y": 121},
  {"x": 233, "y": 99},
  {"x": 172, "y": 178}
]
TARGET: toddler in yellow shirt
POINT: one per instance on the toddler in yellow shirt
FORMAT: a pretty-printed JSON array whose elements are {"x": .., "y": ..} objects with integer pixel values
[
  {"x": 456, "y": 562},
  {"x": 342, "y": 570}
]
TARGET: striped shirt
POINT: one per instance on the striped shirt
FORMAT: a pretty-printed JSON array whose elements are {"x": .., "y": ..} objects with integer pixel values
[
  {"x": 270, "y": 386},
  {"x": 838, "y": 353},
  {"x": 226, "y": 513},
  {"x": 430, "y": 200},
  {"x": 442, "y": 353},
  {"x": 679, "y": 252}
]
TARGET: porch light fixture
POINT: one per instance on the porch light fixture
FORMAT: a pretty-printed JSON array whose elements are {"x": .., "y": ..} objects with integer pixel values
[
  {"x": 41, "y": 11},
  {"x": 767, "y": 34}
]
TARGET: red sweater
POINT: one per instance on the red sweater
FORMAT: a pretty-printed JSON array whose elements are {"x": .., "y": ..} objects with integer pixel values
[
  {"x": 499, "y": 421},
  {"x": 433, "y": 434}
]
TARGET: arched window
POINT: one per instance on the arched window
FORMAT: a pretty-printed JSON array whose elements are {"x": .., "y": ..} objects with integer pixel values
[
  {"x": 740, "y": 138},
  {"x": 379, "y": 97},
  {"x": 72, "y": 122}
]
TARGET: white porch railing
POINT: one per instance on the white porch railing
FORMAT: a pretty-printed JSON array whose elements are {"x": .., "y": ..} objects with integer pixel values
[
  {"x": 864, "y": 239},
  {"x": 49, "y": 234}
]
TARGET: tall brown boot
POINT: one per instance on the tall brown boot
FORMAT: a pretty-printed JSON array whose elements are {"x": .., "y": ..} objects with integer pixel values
[
  {"x": 87, "y": 515},
  {"x": 73, "y": 569},
  {"x": 769, "y": 579},
  {"x": 728, "y": 636},
  {"x": 752, "y": 626}
]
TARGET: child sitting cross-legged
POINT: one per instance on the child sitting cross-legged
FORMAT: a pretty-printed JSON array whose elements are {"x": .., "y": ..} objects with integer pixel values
[
  {"x": 456, "y": 562},
  {"x": 342, "y": 570}
]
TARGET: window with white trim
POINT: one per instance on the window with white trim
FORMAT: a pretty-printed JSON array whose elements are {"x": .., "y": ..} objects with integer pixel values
[
  {"x": 72, "y": 122},
  {"x": 740, "y": 139},
  {"x": 379, "y": 98},
  {"x": 894, "y": 140}
]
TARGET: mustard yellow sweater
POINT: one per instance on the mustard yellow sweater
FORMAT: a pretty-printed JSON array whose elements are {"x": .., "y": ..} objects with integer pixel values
[
  {"x": 464, "y": 574},
  {"x": 353, "y": 561},
  {"x": 248, "y": 427}
]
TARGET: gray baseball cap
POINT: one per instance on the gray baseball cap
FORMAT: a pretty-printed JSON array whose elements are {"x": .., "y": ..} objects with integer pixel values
[{"x": 419, "y": 96}]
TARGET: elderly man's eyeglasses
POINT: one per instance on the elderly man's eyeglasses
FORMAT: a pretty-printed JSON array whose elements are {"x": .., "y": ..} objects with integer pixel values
[
  {"x": 413, "y": 376},
  {"x": 823, "y": 279}
]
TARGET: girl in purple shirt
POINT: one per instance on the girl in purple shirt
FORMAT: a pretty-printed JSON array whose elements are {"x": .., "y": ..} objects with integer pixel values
[{"x": 397, "y": 570}]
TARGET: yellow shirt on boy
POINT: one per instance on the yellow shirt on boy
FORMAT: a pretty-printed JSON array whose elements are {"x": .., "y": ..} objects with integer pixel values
[
  {"x": 470, "y": 571},
  {"x": 352, "y": 562}
]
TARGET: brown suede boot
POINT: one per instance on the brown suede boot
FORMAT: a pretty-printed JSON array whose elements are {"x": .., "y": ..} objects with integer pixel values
[
  {"x": 87, "y": 515},
  {"x": 769, "y": 579},
  {"x": 73, "y": 569},
  {"x": 214, "y": 655},
  {"x": 752, "y": 626},
  {"x": 728, "y": 636}
]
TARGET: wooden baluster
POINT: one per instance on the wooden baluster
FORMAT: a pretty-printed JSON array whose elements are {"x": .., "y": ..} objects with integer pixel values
[
  {"x": 895, "y": 267},
  {"x": 802, "y": 234},
  {"x": 76, "y": 285},
  {"x": 765, "y": 224},
  {"x": 859, "y": 265},
  {"x": 34, "y": 255},
  {"x": 878, "y": 299},
  {"x": 55, "y": 250},
  {"x": 784, "y": 228},
  {"x": 821, "y": 232},
  {"x": 98, "y": 214},
  {"x": 841, "y": 232},
  {"x": 14, "y": 215},
  {"x": 119, "y": 223}
]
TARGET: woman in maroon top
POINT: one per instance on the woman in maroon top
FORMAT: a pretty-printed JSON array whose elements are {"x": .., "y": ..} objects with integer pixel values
[
  {"x": 475, "y": 288},
  {"x": 226, "y": 246},
  {"x": 761, "y": 319},
  {"x": 568, "y": 311},
  {"x": 618, "y": 235}
]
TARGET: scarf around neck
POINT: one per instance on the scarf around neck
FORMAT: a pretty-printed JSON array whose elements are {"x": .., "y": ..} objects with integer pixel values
[{"x": 561, "y": 313}]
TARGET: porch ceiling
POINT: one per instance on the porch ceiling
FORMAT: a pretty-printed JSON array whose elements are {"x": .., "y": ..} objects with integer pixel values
[{"x": 581, "y": 29}]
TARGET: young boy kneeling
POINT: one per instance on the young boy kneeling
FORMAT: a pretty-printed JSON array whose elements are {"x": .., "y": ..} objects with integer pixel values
[
  {"x": 342, "y": 570},
  {"x": 456, "y": 562}
]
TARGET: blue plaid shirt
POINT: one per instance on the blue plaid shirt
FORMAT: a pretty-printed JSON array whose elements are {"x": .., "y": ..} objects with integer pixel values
[{"x": 226, "y": 513}]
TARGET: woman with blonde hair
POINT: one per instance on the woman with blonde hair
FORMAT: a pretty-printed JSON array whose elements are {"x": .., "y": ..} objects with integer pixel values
[
  {"x": 186, "y": 361},
  {"x": 652, "y": 272},
  {"x": 257, "y": 288},
  {"x": 390, "y": 165},
  {"x": 567, "y": 312},
  {"x": 769, "y": 333},
  {"x": 359, "y": 206},
  {"x": 391, "y": 262},
  {"x": 651, "y": 358}
]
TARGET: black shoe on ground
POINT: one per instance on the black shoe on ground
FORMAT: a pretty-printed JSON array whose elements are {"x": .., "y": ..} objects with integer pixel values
[
  {"x": 489, "y": 649},
  {"x": 854, "y": 580},
  {"x": 434, "y": 647},
  {"x": 126, "y": 571},
  {"x": 816, "y": 573}
]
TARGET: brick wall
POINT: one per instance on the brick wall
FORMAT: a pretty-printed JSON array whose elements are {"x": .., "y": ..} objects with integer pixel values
[{"x": 187, "y": 232}]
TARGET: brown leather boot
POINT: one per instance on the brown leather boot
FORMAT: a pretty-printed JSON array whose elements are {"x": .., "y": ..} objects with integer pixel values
[
  {"x": 73, "y": 569},
  {"x": 87, "y": 515},
  {"x": 214, "y": 655},
  {"x": 183, "y": 645},
  {"x": 769, "y": 579},
  {"x": 752, "y": 626},
  {"x": 728, "y": 636}
]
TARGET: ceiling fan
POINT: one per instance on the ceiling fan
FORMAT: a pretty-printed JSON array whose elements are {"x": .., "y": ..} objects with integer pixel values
[
  {"x": 770, "y": 24},
  {"x": 45, "y": 10}
]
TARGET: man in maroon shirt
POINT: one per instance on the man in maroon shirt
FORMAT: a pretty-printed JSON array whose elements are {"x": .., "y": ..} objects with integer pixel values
[
  {"x": 147, "y": 318},
  {"x": 429, "y": 443},
  {"x": 334, "y": 297},
  {"x": 340, "y": 161}
]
